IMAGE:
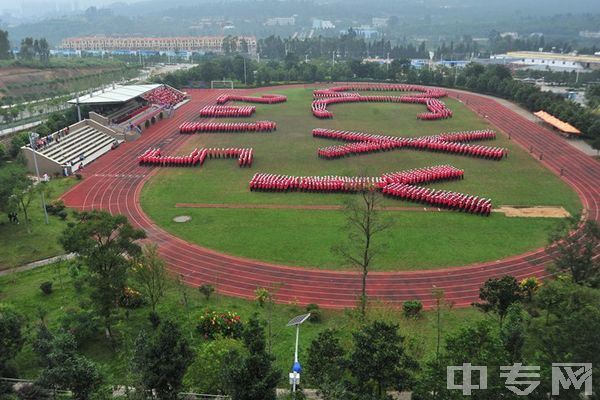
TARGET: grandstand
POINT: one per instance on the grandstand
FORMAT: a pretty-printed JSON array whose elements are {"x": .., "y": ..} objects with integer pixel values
[
  {"x": 66, "y": 151},
  {"x": 118, "y": 114}
]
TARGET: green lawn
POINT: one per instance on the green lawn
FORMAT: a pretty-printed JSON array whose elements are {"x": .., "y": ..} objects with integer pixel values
[
  {"x": 18, "y": 247},
  {"x": 304, "y": 238},
  {"x": 22, "y": 290}
]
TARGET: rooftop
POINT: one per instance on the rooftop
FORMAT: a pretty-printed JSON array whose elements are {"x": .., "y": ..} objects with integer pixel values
[{"x": 118, "y": 94}]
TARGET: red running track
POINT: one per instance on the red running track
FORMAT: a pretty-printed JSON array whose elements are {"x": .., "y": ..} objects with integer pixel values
[{"x": 114, "y": 182}]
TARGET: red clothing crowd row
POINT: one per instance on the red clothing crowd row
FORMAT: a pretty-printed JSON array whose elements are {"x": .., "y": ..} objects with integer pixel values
[
  {"x": 447, "y": 142},
  {"x": 197, "y": 157},
  {"x": 264, "y": 99},
  {"x": 340, "y": 94},
  {"x": 424, "y": 175},
  {"x": 273, "y": 182},
  {"x": 440, "y": 198},
  {"x": 164, "y": 96},
  {"x": 227, "y": 111},
  {"x": 423, "y": 90},
  {"x": 278, "y": 183},
  {"x": 259, "y": 126},
  {"x": 437, "y": 109}
]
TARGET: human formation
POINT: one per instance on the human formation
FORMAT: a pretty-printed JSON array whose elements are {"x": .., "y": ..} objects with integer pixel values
[
  {"x": 227, "y": 111},
  {"x": 227, "y": 127},
  {"x": 360, "y": 142},
  {"x": 341, "y": 94},
  {"x": 264, "y": 99},
  {"x": 404, "y": 185},
  {"x": 153, "y": 157}
]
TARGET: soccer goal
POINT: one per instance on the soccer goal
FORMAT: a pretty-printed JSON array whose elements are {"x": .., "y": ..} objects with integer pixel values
[{"x": 221, "y": 84}]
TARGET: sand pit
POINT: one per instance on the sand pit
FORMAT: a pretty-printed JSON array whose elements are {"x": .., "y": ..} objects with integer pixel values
[{"x": 533, "y": 212}]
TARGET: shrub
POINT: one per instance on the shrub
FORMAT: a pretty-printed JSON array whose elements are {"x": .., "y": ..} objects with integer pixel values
[
  {"x": 62, "y": 215},
  {"x": 147, "y": 124},
  {"x": 226, "y": 324},
  {"x": 412, "y": 308},
  {"x": 131, "y": 298},
  {"x": 46, "y": 287},
  {"x": 153, "y": 120},
  {"x": 315, "y": 312},
  {"x": 80, "y": 323},
  {"x": 206, "y": 290},
  {"x": 78, "y": 177}
]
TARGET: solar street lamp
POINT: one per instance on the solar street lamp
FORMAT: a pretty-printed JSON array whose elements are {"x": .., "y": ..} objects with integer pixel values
[{"x": 296, "y": 369}]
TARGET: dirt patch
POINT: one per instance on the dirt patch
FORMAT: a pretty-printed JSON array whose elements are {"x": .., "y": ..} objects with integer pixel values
[{"x": 533, "y": 212}]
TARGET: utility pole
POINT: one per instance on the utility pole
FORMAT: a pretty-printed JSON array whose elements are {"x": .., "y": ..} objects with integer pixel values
[{"x": 245, "y": 80}]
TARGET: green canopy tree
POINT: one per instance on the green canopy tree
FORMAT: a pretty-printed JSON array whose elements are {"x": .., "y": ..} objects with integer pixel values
[
  {"x": 498, "y": 294},
  {"x": 68, "y": 370},
  {"x": 251, "y": 376},
  {"x": 107, "y": 245},
  {"x": 161, "y": 360},
  {"x": 379, "y": 361}
]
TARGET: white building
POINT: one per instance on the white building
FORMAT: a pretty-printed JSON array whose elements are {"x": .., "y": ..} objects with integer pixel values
[
  {"x": 379, "y": 22},
  {"x": 281, "y": 21},
  {"x": 322, "y": 24}
]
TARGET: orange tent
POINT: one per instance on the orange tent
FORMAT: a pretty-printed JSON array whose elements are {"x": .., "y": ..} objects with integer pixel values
[{"x": 557, "y": 123}]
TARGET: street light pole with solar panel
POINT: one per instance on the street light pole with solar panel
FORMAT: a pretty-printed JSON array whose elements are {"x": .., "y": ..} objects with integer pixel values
[{"x": 296, "y": 368}]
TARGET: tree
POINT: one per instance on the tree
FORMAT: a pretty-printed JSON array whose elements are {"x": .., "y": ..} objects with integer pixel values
[
  {"x": 379, "y": 361},
  {"x": 11, "y": 335},
  {"x": 162, "y": 359},
  {"x": 151, "y": 275},
  {"x": 565, "y": 331},
  {"x": 204, "y": 375},
  {"x": 67, "y": 370},
  {"x": 498, "y": 295},
  {"x": 107, "y": 245},
  {"x": 479, "y": 344},
  {"x": 364, "y": 223},
  {"x": 4, "y": 45},
  {"x": 325, "y": 364},
  {"x": 251, "y": 376},
  {"x": 575, "y": 251},
  {"x": 27, "y": 51}
]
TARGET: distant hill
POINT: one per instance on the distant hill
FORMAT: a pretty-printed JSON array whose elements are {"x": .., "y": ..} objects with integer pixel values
[{"x": 414, "y": 18}]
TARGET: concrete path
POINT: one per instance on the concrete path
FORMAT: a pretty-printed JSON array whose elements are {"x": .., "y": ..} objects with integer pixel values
[{"x": 37, "y": 264}]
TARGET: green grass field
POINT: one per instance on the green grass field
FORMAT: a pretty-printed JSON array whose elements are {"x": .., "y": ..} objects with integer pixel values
[
  {"x": 22, "y": 291},
  {"x": 305, "y": 238},
  {"x": 18, "y": 247}
]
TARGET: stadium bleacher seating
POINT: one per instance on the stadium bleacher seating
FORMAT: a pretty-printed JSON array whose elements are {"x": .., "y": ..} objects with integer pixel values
[{"x": 78, "y": 147}]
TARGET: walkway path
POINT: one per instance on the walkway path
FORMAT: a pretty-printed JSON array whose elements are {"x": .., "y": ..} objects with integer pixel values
[{"x": 114, "y": 183}]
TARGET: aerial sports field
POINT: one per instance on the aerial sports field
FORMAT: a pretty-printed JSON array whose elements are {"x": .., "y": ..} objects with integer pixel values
[{"x": 239, "y": 238}]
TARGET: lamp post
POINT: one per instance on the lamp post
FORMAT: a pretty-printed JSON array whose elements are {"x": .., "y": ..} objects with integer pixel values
[
  {"x": 296, "y": 368},
  {"x": 32, "y": 138}
]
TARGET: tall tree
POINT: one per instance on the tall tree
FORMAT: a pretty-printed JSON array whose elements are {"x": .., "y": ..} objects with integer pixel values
[
  {"x": 4, "y": 45},
  {"x": 68, "y": 370},
  {"x": 364, "y": 224},
  {"x": 150, "y": 273},
  {"x": 251, "y": 376},
  {"x": 107, "y": 244},
  {"x": 576, "y": 251},
  {"x": 161, "y": 359},
  {"x": 379, "y": 361},
  {"x": 11, "y": 334},
  {"x": 325, "y": 364},
  {"x": 498, "y": 294}
]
